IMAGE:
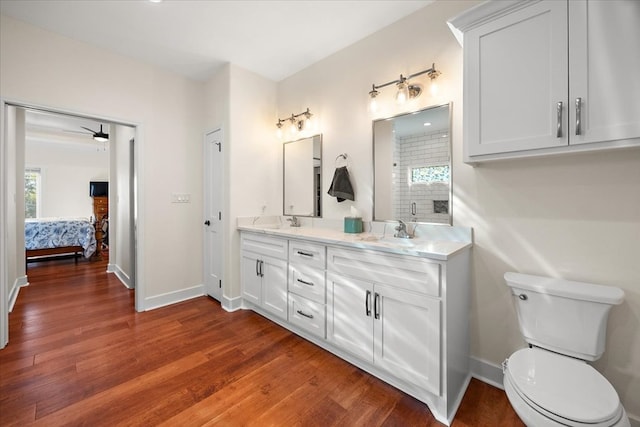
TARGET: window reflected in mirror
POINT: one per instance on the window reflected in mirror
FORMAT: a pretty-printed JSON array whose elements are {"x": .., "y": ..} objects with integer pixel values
[{"x": 412, "y": 166}]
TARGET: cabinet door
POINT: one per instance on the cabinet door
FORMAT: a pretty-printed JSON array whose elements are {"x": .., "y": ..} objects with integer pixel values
[
  {"x": 515, "y": 74},
  {"x": 604, "y": 59},
  {"x": 274, "y": 285},
  {"x": 350, "y": 314},
  {"x": 407, "y": 336},
  {"x": 250, "y": 278}
]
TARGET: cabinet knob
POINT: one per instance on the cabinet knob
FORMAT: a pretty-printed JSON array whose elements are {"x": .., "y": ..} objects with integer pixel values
[{"x": 207, "y": 223}]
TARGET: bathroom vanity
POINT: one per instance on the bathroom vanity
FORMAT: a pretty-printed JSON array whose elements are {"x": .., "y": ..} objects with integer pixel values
[{"x": 397, "y": 308}]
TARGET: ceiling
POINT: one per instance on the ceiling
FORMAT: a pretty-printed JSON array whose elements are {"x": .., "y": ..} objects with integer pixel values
[{"x": 274, "y": 39}]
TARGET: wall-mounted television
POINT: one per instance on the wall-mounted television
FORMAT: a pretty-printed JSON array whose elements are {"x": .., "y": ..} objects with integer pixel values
[{"x": 99, "y": 189}]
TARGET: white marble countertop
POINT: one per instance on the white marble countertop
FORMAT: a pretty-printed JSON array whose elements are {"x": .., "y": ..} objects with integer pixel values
[{"x": 422, "y": 246}]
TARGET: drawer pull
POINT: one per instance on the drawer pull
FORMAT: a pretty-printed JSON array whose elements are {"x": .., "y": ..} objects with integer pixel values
[
  {"x": 302, "y": 313},
  {"x": 305, "y": 282},
  {"x": 305, "y": 254}
]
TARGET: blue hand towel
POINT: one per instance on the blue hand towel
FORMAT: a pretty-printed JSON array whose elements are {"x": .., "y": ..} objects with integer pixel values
[{"x": 341, "y": 187}]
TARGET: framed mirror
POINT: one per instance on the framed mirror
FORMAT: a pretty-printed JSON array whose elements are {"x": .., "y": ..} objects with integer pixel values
[
  {"x": 412, "y": 166},
  {"x": 302, "y": 173}
]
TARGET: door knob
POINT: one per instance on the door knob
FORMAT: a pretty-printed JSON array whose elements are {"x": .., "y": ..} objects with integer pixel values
[{"x": 207, "y": 223}]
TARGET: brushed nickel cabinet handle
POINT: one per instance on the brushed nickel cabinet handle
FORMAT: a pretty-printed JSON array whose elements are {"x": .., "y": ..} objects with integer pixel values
[
  {"x": 559, "y": 119},
  {"x": 367, "y": 303},
  {"x": 376, "y": 306},
  {"x": 302, "y": 313},
  {"x": 578, "y": 116},
  {"x": 304, "y": 282}
]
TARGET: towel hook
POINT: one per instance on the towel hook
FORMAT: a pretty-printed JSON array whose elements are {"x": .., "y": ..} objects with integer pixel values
[{"x": 344, "y": 157}]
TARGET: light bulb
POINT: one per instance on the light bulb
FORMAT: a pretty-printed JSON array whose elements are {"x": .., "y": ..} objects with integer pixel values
[
  {"x": 279, "y": 132},
  {"x": 403, "y": 93},
  {"x": 434, "y": 88},
  {"x": 308, "y": 124},
  {"x": 293, "y": 128},
  {"x": 373, "y": 103}
]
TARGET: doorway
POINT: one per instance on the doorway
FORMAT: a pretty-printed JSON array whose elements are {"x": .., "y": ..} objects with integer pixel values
[{"x": 123, "y": 157}]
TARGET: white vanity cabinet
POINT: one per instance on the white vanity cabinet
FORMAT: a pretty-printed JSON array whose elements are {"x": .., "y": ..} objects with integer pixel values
[
  {"x": 385, "y": 309},
  {"x": 263, "y": 270},
  {"x": 400, "y": 314},
  {"x": 550, "y": 77}
]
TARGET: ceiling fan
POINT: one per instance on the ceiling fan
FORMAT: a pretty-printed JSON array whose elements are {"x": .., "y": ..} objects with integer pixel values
[{"x": 98, "y": 136}]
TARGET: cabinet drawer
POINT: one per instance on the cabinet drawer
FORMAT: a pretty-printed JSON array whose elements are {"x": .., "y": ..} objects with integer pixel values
[
  {"x": 266, "y": 245},
  {"x": 308, "y": 282},
  {"x": 410, "y": 273},
  {"x": 306, "y": 253},
  {"x": 308, "y": 315}
]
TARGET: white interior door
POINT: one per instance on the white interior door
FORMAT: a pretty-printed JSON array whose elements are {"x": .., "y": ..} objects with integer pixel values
[{"x": 213, "y": 187}]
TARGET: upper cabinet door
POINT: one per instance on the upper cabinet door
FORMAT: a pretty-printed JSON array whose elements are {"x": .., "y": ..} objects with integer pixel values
[
  {"x": 604, "y": 64},
  {"x": 515, "y": 84}
]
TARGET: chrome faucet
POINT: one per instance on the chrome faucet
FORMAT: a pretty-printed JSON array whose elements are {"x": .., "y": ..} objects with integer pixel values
[
  {"x": 295, "y": 222},
  {"x": 401, "y": 231}
]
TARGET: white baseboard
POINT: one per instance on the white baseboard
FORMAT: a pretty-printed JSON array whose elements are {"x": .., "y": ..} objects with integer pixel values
[
  {"x": 174, "y": 297},
  {"x": 231, "y": 304},
  {"x": 15, "y": 289},
  {"x": 121, "y": 275},
  {"x": 486, "y": 372}
]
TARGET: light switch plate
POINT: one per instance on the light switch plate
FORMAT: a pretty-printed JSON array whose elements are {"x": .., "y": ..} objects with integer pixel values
[{"x": 180, "y": 198}]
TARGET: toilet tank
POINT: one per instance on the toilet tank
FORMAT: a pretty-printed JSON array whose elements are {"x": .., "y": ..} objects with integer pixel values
[{"x": 563, "y": 316}]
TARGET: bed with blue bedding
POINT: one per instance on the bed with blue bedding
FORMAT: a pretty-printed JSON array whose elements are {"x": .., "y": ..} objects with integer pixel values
[{"x": 59, "y": 236}]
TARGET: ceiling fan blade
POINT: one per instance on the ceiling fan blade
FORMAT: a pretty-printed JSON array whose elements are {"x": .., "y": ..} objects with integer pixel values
[{"x": 90, "y": 130}]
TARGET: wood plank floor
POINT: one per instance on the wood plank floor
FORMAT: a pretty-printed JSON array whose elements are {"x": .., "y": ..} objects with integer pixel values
[{"x": 80, "y": 355}]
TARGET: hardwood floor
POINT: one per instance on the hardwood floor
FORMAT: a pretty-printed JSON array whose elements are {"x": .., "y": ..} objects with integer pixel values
[{"x": 80, "y": 355}]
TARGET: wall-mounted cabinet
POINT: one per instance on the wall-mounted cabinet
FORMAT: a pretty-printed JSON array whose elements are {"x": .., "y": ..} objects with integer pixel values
[{"x": 550, "y": 77}]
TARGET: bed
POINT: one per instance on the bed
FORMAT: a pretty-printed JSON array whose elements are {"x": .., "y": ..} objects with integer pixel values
[{"x": 59, "y": 236}]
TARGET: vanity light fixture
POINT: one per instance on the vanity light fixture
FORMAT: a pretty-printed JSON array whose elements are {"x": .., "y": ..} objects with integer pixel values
[
  {"x": 406, "y": 90},
  {"x": 297, "y": 123}
]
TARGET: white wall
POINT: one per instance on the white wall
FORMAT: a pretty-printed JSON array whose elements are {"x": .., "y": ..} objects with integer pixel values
[
  {"x": 65, "y": 174},
  {"x": 43, "y": 68},
  {"x": 575, "y": 216}
]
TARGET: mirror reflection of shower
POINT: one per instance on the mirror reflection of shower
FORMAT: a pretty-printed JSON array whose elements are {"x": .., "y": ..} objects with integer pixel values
[{"x": 412, "y": 166}]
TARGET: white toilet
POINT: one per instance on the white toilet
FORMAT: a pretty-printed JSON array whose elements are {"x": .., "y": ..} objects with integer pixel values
[{"x": 564, "y": 322}]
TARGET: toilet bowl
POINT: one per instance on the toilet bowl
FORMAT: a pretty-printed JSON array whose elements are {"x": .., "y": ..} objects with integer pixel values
[
  {"x": 550, "y": 383},
  {"x": 548, "y": 389}
]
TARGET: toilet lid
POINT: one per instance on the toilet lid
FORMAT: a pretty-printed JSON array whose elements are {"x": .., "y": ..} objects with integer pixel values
[{"x": 563, "y": 386}]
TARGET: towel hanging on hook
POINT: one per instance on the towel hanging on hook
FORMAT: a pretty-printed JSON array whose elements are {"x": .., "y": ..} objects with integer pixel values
[{"x": 341, "y": 187}]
